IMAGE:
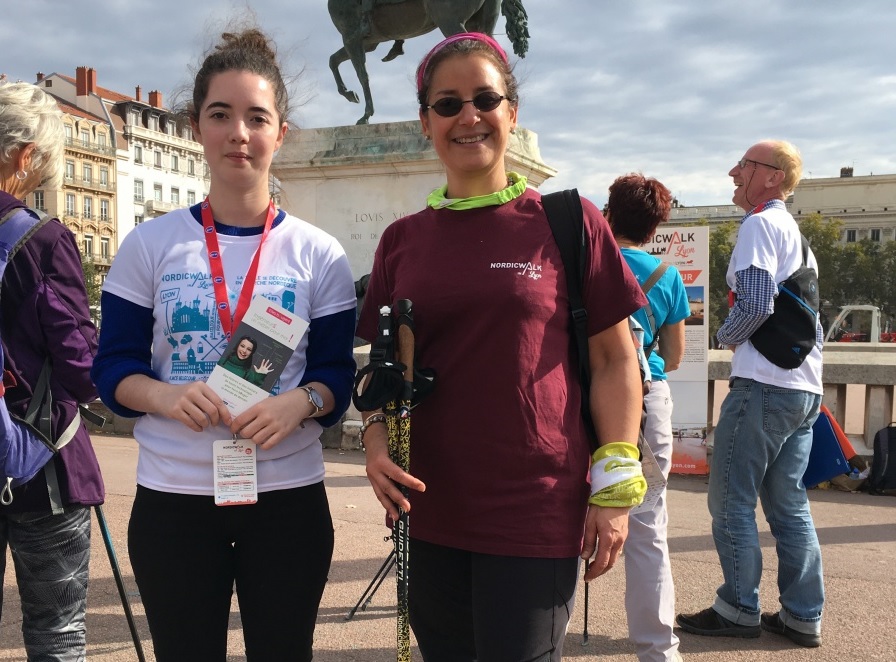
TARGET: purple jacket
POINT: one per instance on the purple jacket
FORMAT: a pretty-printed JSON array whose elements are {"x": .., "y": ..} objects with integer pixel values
[{"x": 45, "y": 311}]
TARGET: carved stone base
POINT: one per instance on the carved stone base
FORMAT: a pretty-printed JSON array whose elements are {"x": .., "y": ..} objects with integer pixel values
[{"x": 353, "y": 181}]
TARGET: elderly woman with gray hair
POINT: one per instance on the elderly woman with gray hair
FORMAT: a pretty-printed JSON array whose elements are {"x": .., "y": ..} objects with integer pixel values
[{"x": 47, "y": 337}]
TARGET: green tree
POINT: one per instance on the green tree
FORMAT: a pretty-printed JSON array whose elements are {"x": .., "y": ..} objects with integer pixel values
[
  {"x": 92, "y": 283},
  {"x": 823, "y": 235},
  {"x": 720, "y": 248}
]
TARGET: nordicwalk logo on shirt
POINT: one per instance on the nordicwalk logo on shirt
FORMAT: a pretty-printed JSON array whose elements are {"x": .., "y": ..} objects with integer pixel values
[{"x": 526, "y": 269}]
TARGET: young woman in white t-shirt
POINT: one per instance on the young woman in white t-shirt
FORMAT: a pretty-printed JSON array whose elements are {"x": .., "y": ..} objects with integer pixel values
[{"x": 174, "y": 295}]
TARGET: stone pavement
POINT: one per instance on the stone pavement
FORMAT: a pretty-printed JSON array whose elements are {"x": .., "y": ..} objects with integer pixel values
[{"x": 857, "y": 531}]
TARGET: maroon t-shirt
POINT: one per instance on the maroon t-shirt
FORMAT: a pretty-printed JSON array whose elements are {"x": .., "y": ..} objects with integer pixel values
[{"x": 500, "y": 442}]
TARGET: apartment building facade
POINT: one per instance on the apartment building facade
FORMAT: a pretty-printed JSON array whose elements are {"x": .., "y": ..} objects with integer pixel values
[
  {"x": 157, "y": 167},
  {"x": 866, "y": 204},
  {"x": 87, "y": 200}
]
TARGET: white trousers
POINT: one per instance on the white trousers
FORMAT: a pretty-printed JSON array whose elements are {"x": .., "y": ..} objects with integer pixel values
[{"x": 649, "y": 592}]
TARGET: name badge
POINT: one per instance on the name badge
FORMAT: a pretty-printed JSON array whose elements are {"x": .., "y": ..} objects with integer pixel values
[{"x": 236, "y": 478}]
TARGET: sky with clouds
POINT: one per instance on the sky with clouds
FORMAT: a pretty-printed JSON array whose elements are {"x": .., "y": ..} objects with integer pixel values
[{"x": 677, "y": 89}]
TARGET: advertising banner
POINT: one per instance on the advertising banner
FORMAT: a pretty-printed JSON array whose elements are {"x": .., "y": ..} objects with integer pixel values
[{"x": 687, "y": 249}]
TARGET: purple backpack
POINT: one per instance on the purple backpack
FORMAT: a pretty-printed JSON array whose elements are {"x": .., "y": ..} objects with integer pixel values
[{"x": 25, "y": 445}]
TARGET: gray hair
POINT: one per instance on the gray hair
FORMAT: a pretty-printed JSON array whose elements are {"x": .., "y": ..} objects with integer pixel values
[{"x": 30, "y": 115}]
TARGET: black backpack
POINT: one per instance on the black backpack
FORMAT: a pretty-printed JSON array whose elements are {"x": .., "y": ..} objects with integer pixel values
[
  {"x": 564, "y": 212},
  {"x": 787, "y": 337},
  {"x": 883, "y": 466}
]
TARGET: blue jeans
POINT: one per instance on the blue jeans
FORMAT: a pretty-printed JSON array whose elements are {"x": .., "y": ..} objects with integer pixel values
[
  {"x": 51, "y": 554},
  {"x": 761, "y": 450}
]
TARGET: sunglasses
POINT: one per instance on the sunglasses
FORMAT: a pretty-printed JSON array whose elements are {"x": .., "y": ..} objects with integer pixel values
[
  {"x": 743, "y": 164},
  {"x": 451, "y": 106}
]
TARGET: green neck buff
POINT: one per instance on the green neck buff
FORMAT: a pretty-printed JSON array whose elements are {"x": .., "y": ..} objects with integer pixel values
[{"x": 437, "y": 199}]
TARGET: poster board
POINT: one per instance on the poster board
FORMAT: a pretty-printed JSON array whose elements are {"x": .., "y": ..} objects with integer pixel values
[{"x": 687, "y": 249}]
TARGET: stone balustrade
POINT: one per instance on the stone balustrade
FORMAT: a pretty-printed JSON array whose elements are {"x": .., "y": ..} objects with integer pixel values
[{"x": 872, "y": 364}]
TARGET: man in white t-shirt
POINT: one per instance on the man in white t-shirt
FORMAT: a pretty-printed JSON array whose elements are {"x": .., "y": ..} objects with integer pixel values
[{"x": 764, "y": 435}]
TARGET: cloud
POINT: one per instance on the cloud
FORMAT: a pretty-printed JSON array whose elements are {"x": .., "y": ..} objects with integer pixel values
[{"x": 678, "y": 90}]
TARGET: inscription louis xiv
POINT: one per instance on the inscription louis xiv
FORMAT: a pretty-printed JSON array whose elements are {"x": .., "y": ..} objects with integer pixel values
[{"x": 364, "y": 218}]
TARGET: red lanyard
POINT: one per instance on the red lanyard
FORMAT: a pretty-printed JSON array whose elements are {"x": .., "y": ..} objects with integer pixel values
[{"x": 228, "y": 321}]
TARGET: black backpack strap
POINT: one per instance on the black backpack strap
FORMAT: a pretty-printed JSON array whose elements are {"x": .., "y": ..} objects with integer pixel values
[
  {"x": 564, "y": 212},
  {"x": 646, "y": 286}
]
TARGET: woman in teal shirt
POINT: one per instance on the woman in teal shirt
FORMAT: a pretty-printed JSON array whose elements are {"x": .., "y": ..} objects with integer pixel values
[{"x": 636, "y": 206}]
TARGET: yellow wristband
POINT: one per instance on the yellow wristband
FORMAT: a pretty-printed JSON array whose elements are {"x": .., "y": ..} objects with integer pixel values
[
  {"x": 616, "y": 449},
  {"x": 616, "y": 476},
  {"x": 621, "y": 495}
]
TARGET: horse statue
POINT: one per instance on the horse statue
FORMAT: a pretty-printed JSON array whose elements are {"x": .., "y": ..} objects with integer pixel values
[{"x": 365, "y": 24}]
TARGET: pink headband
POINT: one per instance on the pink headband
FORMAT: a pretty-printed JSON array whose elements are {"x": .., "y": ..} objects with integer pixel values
[{"x": 463, "y": 36}]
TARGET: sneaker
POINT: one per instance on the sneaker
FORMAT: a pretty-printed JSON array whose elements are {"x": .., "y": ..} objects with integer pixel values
[
  {"x": 773, "y": 623},
  {"x": 710, "y": 623}
]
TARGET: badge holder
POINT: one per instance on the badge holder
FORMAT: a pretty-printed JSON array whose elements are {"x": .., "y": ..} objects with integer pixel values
[{"x": 236, "y": 478}]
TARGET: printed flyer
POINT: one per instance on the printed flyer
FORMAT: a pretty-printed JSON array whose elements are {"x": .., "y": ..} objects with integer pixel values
[{"x": 256, "y": 354}]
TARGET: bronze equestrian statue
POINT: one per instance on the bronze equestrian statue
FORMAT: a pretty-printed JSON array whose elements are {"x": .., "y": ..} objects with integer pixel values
[{"x": 365, "y": 24}]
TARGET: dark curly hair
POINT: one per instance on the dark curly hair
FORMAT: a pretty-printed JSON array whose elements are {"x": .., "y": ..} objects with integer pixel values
[
  {"x": 467, "y": 47},
  {"x": 637, "y": 205},
  {"x": 248, "y": 50}
]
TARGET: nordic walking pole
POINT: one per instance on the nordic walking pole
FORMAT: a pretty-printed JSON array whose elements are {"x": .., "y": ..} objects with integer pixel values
[
  {"x": 402, "y": 457},
  {"x": 116, "y": 572},
  {"x": 585, "y": 631}
]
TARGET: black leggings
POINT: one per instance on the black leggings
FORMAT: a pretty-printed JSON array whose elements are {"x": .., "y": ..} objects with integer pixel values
[
  {"x": 187, "y": 553},
  {"x": 468, "y": 607}
]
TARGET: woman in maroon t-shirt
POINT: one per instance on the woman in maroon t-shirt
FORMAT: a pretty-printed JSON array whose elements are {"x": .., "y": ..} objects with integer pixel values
[{"x": 499, "y": 453}]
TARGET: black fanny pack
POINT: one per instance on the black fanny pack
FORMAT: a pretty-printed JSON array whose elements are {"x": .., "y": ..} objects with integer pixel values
[{"x": 788, "y": 336}]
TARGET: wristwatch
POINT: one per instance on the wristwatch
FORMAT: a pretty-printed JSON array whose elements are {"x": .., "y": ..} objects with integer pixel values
[{"x": 314, "y": 398}]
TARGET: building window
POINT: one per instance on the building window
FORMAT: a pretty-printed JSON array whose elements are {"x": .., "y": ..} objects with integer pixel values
[
  {"x": 70, "y": 204},
  {"x": 175, "y": 196},
  {"x": 104, "y": 176},
  {"x": 39, "y": 200},
  {"x": 88, "y": 245},
  {"x": 87, "y": 172},
  {"x": 191, "y": 167},
  {"x": 138, "y": 154},
  {"x": 85, "y": 137},
  {"x": 69, "y": 170},
  {"x": 104, "y": 247},
  {"x": 101, "y": 139},
  {"x": 175, "y": 164},
  {"x": 88, "y": 207},
  {"x": 104, "y": 210},
  {"x": 157, "y": 192},
  {"x": 850, "y": 236},
  {"x": 191, "y": 198},
  {"x": 138, "y": 190},
  {"x": 157, "y": 156},
  {"x": 138, "y": 219},
  {"x": 68, "y": 132},
  {"x": 875, "y": 234}
]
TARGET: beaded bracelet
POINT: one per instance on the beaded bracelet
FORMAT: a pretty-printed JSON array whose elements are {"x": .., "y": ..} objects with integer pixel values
[{"x": 373, "y": 418}]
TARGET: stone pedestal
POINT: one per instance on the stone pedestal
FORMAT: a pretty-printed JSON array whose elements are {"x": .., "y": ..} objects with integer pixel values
[{"x": 353, "y": 181}]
